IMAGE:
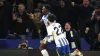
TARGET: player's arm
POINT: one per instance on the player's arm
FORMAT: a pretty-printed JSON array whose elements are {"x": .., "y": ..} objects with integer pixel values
[{"x": 49, "y": 38}]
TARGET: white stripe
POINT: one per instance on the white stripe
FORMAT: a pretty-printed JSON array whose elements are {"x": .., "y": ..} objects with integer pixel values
[
  {"x": 65, "y": 41},
  {"x": 62, "y": 42},
  {"x": 73, "y": 45}
]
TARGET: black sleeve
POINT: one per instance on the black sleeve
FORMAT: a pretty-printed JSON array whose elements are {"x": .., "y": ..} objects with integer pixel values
[
  {"x": 77, "y": 8},
  {"x": 89, "y": 40},
  {"x": 90, "y": 22},
  {"x": 25, "y": 20},
  {"x": 31, "y": 25},
  {"x": 77, "y": 39}
]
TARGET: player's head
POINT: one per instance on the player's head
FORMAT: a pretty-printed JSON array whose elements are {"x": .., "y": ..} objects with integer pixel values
[
  {"x": 46, "y": 8},
  {"x": 51, "y": 18}
]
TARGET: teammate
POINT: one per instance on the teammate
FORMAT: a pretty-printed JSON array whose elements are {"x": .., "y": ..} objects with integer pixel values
[
  {"x": 56, "y": 34},
  {"x": 45, "y": 11}
]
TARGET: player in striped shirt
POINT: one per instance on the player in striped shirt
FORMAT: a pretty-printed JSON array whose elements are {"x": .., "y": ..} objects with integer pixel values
[
  {"x": 45, "y": 11},
  {"x": 56, "y": 34}
]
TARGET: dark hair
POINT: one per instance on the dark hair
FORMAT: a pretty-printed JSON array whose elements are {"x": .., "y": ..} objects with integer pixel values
[
  {"x": 51, "y": 17},
  {"x": 47, "y": 6},
  {"x": 97, "y": 5},
  {"x": 68, "y": 23},
  {"x": 22, "y": 4}
]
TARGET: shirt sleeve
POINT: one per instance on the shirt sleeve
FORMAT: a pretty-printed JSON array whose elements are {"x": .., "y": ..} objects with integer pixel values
[{"x": 50, "y": 36}]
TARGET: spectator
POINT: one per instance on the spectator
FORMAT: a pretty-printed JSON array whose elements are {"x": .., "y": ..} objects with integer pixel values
[
  {"x": 35, "y": 23},
  {"x": 66, "y": 13},
  {"x": 5, "y": 18},
  {"x": 85, "y": 12},
  {"x": 94, "y": 23},
  {"x": 63, "y": 13},
  {"x": 23, "y": 45},
  {"x": 94, "y": 2},
  {"x": 95, "y": 43},
  {"x": 76, "y": 37},
  {"x": 20, "y": 21},
  {"x": 43, "y": 23},
  {"x": 73, "y": 38}
]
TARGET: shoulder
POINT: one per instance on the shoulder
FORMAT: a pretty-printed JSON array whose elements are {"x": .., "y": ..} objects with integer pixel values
[
  {"x": 57, "y": 24},
  {"x": 50, "y": 27}
]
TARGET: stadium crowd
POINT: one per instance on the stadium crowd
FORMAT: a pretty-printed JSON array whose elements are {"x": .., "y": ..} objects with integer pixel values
[{"x": 80, "y": 16}]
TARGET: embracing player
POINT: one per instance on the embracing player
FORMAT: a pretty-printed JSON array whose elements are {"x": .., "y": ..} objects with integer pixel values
[{"x": 56, "y": 34}]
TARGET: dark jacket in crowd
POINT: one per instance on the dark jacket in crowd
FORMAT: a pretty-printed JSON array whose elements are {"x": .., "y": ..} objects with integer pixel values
[
  {"x": 84, "y": 14},
  {"x": 20, "y": 28},
  {"x": 65, "y": 14},
  {"x": 76, "y": 39},
  {"x": 94, "y": 26},
  {"x": 5, "y": 19},
  {"x": 34, "y": 29},
  {"x": 94, "y": 43}
]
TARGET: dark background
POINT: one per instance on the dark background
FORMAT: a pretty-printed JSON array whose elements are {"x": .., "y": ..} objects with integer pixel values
[
  {"x": 18, "y": 52},
  {"x": 13, "y": 52},
  {"x": 53, "y": 53}
]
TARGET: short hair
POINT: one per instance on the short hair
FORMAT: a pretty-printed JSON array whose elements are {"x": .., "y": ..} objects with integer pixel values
[
  {"x": 68, "y": 23},
  {"x": 51, "y": 17},
  {"x": 21, "y": 4},
  {"x": 47, "y": 6}
]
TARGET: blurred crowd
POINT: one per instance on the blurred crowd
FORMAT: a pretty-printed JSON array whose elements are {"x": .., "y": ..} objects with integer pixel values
[{"x": 80, "y": 16}]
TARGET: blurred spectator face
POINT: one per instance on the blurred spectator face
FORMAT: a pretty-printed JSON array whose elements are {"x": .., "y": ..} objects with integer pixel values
[
  {"x": 86, "y": 3},
  {"x": 67, "y": 27},
  {"x": 1, "y": 3},
  {"x": 99, "y": 36},
  {"x": 37, "y": 15},
  {"x": 62, "y": 4},
  {"x": 21, "y": 8},
  {"x": 97, "y": 11},
  {"x": 44, "y": 10}
]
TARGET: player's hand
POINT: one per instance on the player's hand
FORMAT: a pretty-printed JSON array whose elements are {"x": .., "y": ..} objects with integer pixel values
[
  {"x": 73, "y": 4},
  {"x": 86, "y": 30},
  {"x": 19, "y": 20}
]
